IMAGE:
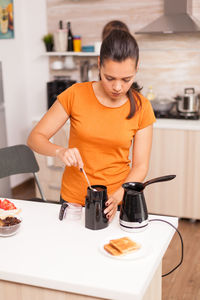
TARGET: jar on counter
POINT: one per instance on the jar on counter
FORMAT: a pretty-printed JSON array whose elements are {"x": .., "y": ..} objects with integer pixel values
[
  {"x": 77, "y": 43},
  {"x": 72, "y": 211}
]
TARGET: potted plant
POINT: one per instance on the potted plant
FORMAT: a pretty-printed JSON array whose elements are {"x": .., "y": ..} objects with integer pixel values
[{"x": 48, "y": 41}]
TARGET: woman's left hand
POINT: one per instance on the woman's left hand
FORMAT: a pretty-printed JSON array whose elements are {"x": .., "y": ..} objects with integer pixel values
[{"x": 112, "y": 204}]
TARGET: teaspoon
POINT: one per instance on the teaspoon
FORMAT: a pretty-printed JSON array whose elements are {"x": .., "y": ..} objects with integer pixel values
[{"x": 82, "y": 170}]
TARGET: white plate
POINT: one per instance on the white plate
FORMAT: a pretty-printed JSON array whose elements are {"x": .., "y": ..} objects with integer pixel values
[{"x": 143, "y": 252}]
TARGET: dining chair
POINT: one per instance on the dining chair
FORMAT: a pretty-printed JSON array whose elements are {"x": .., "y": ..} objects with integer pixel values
[{"x": 20, "y": 159}]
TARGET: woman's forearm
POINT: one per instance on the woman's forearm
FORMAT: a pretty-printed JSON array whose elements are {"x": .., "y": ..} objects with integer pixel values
[
  {"x": 137, "y": 173},
  {"x": 69, "y": 156},
  {"x": 40, "y": 144},
  {"x": 52, "y": 121}
]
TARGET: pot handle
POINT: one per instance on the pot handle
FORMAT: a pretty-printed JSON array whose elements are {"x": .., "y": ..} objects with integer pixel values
[
  {"x": 189, "y": 91},
  {"x": 159, "y": 179},
  {"x": 178, "y": 98}
]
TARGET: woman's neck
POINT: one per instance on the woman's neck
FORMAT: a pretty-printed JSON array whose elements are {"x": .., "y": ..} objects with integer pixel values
[{"x": 104, "y": 99}]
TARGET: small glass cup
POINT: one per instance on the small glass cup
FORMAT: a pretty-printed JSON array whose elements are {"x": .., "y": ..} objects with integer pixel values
[{"x": 73, "y": 211}]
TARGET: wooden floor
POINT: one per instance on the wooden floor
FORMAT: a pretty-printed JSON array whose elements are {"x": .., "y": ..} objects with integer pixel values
[{"x": 183, "y": 283}]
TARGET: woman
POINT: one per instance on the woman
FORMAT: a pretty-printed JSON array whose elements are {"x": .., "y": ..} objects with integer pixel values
[{"x": 105, "y": 116}]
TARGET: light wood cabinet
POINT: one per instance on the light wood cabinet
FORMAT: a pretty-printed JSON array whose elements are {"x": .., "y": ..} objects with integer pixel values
[{"x": 175, "y": 152}]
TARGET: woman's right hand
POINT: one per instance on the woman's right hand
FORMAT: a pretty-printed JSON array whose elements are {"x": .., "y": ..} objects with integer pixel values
[{"x": 70, "y": 156}]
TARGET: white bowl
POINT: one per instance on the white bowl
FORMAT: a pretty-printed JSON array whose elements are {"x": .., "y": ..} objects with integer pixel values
[{"x": 57, "y": 65}]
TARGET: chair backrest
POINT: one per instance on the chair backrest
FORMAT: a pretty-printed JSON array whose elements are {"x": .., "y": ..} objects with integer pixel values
[{"x": 17, "y": 159}]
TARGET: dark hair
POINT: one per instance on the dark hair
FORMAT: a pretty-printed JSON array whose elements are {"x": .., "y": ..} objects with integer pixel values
[
  {"x": 118, "y": 46},
  {"x": 115, "y": 24}
]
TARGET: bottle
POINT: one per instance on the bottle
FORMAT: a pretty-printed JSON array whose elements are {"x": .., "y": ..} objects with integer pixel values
[
  {"x": 61, "y": 38},
  {"x": 70, "y": 46},
  {"x": 150, "y": 94},
  {"x": 4, "y": 21}
]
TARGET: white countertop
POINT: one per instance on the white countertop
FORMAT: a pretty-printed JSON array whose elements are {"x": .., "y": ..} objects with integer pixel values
[
  {"x": 64, "y": 255},
  {"x": 177, "y": 124}
]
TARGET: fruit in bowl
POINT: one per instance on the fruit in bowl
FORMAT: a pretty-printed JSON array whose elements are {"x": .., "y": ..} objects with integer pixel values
[
  {"x": 7, "y": 208},
  {"x": 9, "y": 222},
  {"x": 7, "y": 205},
  {"x": 9, "y": 226}
]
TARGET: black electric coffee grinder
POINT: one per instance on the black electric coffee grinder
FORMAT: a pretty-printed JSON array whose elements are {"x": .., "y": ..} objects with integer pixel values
[
  {"x": 94, "y": 207},
  {"x": 133, "y": 212}
]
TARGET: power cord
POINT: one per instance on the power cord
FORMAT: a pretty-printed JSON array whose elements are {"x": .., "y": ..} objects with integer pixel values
[{"x": 160, "y": 220}]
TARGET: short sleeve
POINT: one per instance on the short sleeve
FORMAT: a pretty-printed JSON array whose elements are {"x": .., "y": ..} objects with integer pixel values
[
  {"x": 147, "y": 116},
  {"x": 66, "y": 99}
]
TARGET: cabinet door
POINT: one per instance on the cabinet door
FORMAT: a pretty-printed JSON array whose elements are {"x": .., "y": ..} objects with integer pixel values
[
  {"x": 169, "y": 156},
  {"x": 192, "y": 186}
]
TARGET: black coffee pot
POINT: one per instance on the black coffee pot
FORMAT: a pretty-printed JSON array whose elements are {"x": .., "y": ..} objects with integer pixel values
[
  {"x": 94, "y": 207},
  {"x": 133, "y": 212}
]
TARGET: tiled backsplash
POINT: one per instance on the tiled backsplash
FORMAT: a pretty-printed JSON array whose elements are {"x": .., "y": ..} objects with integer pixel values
[{"x": 167, "y": 62}]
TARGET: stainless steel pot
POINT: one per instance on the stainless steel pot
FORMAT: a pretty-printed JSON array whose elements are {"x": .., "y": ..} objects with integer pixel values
[{"x": 188, "y": 104}]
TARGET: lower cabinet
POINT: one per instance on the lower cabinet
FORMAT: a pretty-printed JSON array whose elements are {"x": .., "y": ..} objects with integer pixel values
[{"x": 175, "y": 152}]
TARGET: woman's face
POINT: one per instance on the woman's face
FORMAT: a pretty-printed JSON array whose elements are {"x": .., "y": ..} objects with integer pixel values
[{"x": 117, "y": 77}]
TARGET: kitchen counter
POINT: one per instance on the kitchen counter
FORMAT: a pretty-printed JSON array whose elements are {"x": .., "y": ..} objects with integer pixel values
[
  {"x": 63, "y": 257},
  {"x": 177, "y": 124}
]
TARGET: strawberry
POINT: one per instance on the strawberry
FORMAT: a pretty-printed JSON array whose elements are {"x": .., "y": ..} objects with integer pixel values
[
  {"x": 7, "y": 205},
  {"x": 11, "y": 206}
]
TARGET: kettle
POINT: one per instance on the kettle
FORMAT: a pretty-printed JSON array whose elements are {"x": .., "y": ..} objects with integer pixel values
[{"x": 133, "y": 213}]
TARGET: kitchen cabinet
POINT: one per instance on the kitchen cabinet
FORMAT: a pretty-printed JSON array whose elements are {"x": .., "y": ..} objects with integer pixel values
[{"x": 175, "y": 151}]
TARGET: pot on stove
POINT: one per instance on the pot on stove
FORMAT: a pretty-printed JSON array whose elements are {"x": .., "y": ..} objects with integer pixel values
[
  {"x": 162, "y": 106},
  {"x": 133, "y": 212},
  {"x": 188, "y": 104}
]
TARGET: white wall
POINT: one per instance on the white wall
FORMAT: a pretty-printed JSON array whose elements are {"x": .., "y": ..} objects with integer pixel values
[{"x": 25, "y": 72}]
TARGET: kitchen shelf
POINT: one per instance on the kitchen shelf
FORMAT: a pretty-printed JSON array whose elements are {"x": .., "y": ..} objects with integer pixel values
[
  {"x": 95, "y": 54},
  {"x": 71, "y": 54}
]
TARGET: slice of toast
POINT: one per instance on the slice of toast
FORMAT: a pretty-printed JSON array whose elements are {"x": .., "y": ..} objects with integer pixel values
[
  {"x": 124, "y": 245},
  {"x": 112, "y": 250}
]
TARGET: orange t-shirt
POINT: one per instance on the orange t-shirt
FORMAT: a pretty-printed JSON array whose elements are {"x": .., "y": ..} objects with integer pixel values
[{"x": 103, "y": 137}]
